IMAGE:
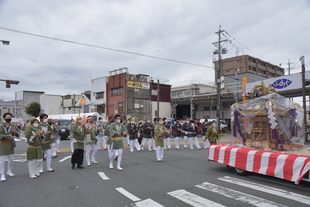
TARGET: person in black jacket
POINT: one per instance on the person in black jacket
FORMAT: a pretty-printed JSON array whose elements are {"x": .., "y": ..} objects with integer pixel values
[
  {"x": 177, "y": 131},
  {"x": 205, "y": 125},
  {"x": 190, "y": 129},
  {"x": 167, "y": 144},
  {"x": 132, "y": 130},
  {"x": 147, "y": 132}
]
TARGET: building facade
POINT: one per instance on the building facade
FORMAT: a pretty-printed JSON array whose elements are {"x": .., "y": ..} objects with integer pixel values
[
  {"x": 189, "y": 101},
  {"x": 98, "y": 95},
  {"x": 23, "y": 99},
  {"x": 50, "y": 104},
  {"x": 130, "y": 95},
  {"x": 7, "y": 107},
  {"x": 252, "y": 68}
]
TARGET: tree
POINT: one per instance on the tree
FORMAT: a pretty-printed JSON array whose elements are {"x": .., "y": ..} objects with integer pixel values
[{"x": 33, "y": 109}]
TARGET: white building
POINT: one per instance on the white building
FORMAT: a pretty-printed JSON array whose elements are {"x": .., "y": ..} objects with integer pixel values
[
  {"x": 98, "y": 95},
  {"x": 50, "y": 104},
  {"x": 23, "y": 99}
]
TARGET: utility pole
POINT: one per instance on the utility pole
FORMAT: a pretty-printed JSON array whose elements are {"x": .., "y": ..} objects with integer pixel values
[
  {"x": 218, "y": 109},
  {"x": 303, "y": 78},
  {"x": 236, "y": 82},
  {"x": 157, "y": 98}
]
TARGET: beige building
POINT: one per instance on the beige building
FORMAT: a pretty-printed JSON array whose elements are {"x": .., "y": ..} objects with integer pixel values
[{"x": 246, "y": 66}]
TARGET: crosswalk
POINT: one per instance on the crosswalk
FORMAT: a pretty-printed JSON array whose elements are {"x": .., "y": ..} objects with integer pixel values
[{"x": 191, "y": 199}]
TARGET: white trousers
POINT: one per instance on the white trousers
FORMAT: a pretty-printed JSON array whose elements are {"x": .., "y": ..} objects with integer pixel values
[
  {"x": 48, "y": 154},
  {"x": 112, "y": 154},
  {"x": 149, "y": 142},
  {"x": 93, "y": 157},
  {"x": 34, "y": 167},
  {"x": 167, "y": 143},
  {"x": 101, "y": 141},
  {"x": 195, "y": 139},
  {"x": 134, "y": 143},
  {"x": 177, "y": 142},
  {"x": 128, "y": 141},
  {"x": 71, "y": 144},
  {"x": 10, "y": 163},
  {"x": 159, "y": 153},
  {"x": 185, "y": 141},
  {"x": 55, "y": 147},
  {"x": 206, "y": 144}
]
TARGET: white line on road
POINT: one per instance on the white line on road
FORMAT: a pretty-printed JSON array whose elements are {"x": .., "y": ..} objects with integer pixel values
[
  {"x": 65, "y": 158},
  {"x": 239, "y": 196},
  {"x": 23, "y": 160},
  {"x": 127, "y": 194},
  {"x": 148, "y": 202},
  {"x": 192, "y": 199},
  {"x": 267, "y": 189},
  {"x": 103, "y": 176}
]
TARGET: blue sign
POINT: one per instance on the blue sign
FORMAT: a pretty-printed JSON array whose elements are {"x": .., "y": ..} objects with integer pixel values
[{"x": 281, "y": 83}]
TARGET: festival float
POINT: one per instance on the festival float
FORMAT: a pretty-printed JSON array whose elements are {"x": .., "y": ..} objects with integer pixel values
[{"x": 267, "y": 137}]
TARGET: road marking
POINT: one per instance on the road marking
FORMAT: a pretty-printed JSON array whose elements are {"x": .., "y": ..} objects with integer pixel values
[
  {"x": 23, "y": 160},
  {"x": 127, "y": 194},
  {"x": 192, "y": 199},
  {"x": 148, "y": 202},
  {"x": 103, "y": 176},
  {"x": 65, "y": 158},
  {"x": 239, "y": 196},
  {"x": 267, "y": 189}
]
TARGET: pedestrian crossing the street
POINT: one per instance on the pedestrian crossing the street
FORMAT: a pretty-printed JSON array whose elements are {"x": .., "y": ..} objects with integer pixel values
[{"x": 192, "y": 199}]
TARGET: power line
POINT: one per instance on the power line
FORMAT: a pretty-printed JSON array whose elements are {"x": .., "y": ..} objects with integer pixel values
[
  {"x": 249, "y": 50},
  {"x": 105, "y": 48}
]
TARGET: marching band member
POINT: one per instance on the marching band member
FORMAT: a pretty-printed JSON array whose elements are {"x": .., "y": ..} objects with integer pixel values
[
  {"x": 167, "y": 144},
  {"x": 79, "y": 131},
  {"x": 7, "y": 143},
  {"x": 56, "y": 129},
  {"x": 205, "y": 126},
  {"x": 177, "y": 131},
  {"x": 46, "y": 142},
  {"x": 147, "y": 130},
  {"x": 192, "y": 134},
  {"x": 116, "y": 131},
  {"x": 213, "y": 133},
  {"x": 159, "y": 136},
  {"x": 132, "y": 130},
  {"x": 34, "y": 135},
  {"x": 185, "y": 129},
  {"x": 101, "y": 137},
  {"x": 71, "y": 134},
  {"x": 91, "y": 128}
]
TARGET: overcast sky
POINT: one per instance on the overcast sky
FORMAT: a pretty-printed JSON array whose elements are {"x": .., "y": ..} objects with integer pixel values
[{"x": 183, "y": 30}]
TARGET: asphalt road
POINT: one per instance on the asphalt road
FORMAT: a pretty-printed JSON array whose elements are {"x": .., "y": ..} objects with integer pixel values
[{"x": 184, "y": 178}]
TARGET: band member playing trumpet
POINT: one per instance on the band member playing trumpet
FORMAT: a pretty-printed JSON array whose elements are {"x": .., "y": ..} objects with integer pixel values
[{"x": 91, "y": 128}]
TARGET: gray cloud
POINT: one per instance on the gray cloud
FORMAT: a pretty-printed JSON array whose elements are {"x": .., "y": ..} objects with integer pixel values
[{"x": 183, "y": 30}]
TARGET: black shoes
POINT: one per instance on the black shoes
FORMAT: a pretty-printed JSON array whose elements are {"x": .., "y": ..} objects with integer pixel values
[{"x": 80, "y": 167}]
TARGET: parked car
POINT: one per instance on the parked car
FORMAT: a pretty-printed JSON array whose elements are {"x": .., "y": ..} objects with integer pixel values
[{"x": 64, "y": 131}]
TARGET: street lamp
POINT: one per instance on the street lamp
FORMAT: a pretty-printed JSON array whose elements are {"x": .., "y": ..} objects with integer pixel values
[
  {"x": 5, "y": 42},
  {"x": 9, "y": 82}
]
